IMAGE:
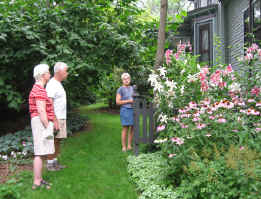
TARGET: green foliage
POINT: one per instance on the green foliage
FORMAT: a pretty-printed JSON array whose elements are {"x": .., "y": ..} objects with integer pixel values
[
  {"x": 75, "y": 122},
  {"x": 109, "y": 85},
  {"x": 229, "y": 175},
  {"x": 9, "y": 190},
  {"x": 19, "y": 146},
  {"x": 149, "y": 172},
  {"x": 210, "y": 134},
  {"x": 91, "y": 36}
]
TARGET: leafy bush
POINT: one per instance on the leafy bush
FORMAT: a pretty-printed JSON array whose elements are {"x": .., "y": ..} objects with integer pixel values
[
  {"x": 229, "y": 175},
  {"x": 75, "y": 122},
  {"x": 90, "y": 36},
  {"x": 149, "y": 172}
]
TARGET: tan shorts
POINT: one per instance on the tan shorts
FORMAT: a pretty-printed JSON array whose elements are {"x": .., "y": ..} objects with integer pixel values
[
  {"x": 62, "y": 133},
  {"x": 42, "y": 146}
]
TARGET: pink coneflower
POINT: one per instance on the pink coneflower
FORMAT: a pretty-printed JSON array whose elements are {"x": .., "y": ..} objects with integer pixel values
[
  {"x": 197, "y": 114},
  {"x": 183, "y": 126},
  {"x": 175, "y": 119},
  {"x": 251, "y": 100},
  {"x": 241, "y": 148},
  {"x": 255, "y": 91},
  {"x": 258, "y": 104},
  {"x": 258, "y": 129},
  {"x": 210, "y": 112},
  {"x": 201, "y": 126},
  {"x": 172, "y": 155},
  {"x": 160, "y": 128},
  {"x": 195, "y": 119},
  {"x": 182, "y": 111},
  {"x": 211, "y": 117},
  {"x": 221, "y": 120},
  {"x": 178, "y": 141},
  {"x": 252, "y": 111},
  {"x": 192, "y": 105},
  {"x": 241, "y": 103},
  {"x": 206, "y": 102}
]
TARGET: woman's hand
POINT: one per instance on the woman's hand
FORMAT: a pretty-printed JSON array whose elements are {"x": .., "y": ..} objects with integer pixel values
[{"x": 41, "y": 108}]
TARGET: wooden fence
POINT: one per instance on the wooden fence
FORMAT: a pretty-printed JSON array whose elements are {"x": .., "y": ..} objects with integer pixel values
[{"x": 144, "y": 122}]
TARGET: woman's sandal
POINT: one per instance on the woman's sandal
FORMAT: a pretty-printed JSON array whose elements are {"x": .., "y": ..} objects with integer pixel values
[{"x": 43, "y": 183}]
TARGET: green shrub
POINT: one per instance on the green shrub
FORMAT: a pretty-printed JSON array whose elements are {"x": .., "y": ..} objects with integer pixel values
[
  {"x": 234, "y": 174},
  {"x": 149, "y": 172},
  {"x": 19, "y": 146}
]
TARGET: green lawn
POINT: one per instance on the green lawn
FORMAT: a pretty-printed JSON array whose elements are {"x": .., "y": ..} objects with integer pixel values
[{"x": 97, "y": 169}]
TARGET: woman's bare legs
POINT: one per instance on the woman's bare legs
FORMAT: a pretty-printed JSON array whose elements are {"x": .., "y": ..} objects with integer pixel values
[
  {"x": 130, "y": 137},
  {"x": 38, "y": 166},
  {"x": 123, "y": 137}
]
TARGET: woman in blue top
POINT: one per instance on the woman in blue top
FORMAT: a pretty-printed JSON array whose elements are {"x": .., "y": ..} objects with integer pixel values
[{"x": 124, "y": 98}]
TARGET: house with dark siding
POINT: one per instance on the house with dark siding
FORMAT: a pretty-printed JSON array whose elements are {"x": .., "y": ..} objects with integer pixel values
[{"x": 220, "y": 29}]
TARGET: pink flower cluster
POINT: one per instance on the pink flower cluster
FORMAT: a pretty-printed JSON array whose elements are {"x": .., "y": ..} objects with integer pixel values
[
  {"x": 178, "y": 141},
  {"x": 251, "y": 51},
  {"x": 203, "y": 114},
  {"x": 180, "y": 50},
  {"x": 215, "y": 79},
  {"x": 161, "y": 128}
]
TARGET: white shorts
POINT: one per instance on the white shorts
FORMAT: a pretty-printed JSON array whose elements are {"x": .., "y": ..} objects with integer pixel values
[{"x": 42, "y": 146}]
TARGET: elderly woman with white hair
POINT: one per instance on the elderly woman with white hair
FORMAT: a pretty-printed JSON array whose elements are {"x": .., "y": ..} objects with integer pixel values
[
  {"x": 124, "y": 98},
  {"x": 43, "y": 122}
]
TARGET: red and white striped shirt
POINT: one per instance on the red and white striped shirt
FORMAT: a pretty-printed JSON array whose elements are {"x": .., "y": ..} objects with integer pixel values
[{"x": 38, "y": 93}]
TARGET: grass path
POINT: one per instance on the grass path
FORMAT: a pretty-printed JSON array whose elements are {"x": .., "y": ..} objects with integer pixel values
[{"x": 97, "y": 169}]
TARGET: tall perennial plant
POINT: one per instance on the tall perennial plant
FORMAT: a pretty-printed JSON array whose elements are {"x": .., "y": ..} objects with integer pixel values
[{"x": 206, "y": 107}]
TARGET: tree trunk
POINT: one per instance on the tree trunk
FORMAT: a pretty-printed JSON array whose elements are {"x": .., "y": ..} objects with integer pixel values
[{"x": 161, "y": 33}]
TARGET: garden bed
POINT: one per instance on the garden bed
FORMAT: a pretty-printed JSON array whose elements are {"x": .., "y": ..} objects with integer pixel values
[{"x": 6, "y": 172}]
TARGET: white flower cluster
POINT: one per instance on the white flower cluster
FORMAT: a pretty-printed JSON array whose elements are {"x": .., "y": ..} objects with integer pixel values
[
  {"x": 13, "y": 155},
  {"x": 163, "y": 118},
  {"x": 234, "y": 87},
  {"x": 3, "y": 157}
]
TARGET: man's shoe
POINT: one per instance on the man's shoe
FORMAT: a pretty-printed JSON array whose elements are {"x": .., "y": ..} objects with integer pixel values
[
  {"x": 59, "y": 166},
  {"x": 52, "y": 167}
]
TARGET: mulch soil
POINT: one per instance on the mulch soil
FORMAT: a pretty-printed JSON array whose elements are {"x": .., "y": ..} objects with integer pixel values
[{"x": 5, "y": 172}]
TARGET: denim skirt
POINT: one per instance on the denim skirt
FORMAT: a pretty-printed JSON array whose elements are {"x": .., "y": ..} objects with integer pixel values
[{"x": 126, "y": 115}]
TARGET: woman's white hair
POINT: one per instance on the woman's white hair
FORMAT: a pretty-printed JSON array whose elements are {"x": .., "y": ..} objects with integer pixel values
[
  {"x": 59, "y": 66},
  {"x": 125, "y": 75},
  {"x": 39, "y": 70}
]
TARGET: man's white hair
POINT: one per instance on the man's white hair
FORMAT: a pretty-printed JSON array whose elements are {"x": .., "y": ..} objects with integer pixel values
[
  {"x": 59, "y": 66},
  {"x": 125, "y": 75},
  {"x": 39, "y": 70}
]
